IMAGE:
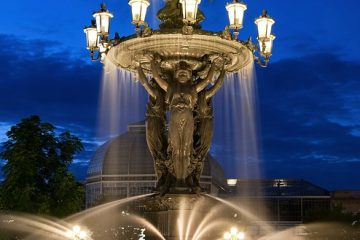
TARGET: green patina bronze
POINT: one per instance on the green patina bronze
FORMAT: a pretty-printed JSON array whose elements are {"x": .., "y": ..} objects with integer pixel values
[{"x": 171, "y": 16}]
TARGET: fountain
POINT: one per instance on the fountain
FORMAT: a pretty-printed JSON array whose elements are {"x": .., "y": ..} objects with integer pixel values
[
  {"x": 182, "y": 60},
  {"x": 181, "y": 67}
]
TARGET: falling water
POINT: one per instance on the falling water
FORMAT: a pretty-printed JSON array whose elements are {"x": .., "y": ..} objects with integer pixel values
[
  {"x": 122, "y": 101},
  {"x": 235, "y": 142},
  {"x": 236, "y": 136},
  {"x": 236, "y": 133}
]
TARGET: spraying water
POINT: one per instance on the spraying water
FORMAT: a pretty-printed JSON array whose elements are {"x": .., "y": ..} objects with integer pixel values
[{"x": 35, "y": 227}]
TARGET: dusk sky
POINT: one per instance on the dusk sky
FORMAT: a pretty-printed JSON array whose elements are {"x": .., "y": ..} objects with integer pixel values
[{"x": 309, "y": 100}]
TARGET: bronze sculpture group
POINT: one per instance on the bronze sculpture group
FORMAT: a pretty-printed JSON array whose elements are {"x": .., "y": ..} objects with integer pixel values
[{"x": 180, "y": 150}]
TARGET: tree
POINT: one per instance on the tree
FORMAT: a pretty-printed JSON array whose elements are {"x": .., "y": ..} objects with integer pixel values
[{"x": 36, "y": 170}]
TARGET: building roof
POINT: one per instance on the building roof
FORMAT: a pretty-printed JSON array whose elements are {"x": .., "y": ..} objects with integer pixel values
[{"x": 276, "y": 187}]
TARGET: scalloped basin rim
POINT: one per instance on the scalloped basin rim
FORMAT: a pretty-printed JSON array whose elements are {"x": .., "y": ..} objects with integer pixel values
[{"x": 180, "y": 47}]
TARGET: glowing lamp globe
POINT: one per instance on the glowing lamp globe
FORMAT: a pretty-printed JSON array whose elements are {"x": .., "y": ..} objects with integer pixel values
[
  {"x": 264, "y": 24},
  {"x": 189, "y": 9},
  {"x": 266, "y": 45},
  {"x": 138, "y": 10},
  {"x": 92, "y": 38},
  {"x": 103, "y": 17},
  {"x": 236, "y": 12}
]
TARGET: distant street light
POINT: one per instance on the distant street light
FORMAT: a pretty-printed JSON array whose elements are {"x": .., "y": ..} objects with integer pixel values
[{"x": 234, "y": 234}]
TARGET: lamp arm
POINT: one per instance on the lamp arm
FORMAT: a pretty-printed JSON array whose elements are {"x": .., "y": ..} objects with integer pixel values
[
  {"x": 263, "y": 62},
  {"x": 93, "y": 57}
]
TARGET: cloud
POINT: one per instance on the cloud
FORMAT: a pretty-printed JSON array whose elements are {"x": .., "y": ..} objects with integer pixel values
[
  {"x": 310, "y": 116},
  {"x": 37, "y": 79},
  {"x": 40, "y": 77}
]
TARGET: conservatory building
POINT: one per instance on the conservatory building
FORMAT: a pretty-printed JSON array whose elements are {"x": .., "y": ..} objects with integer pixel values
[{"x": 123, "y": 167}]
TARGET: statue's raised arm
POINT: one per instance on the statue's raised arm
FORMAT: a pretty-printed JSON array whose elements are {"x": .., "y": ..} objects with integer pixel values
[
  {"x": 144, "y": 81},
  {"x": 219, "y": 82},
  {"x": 214, "y": 66},
  {"x": 155, "y": 69}
]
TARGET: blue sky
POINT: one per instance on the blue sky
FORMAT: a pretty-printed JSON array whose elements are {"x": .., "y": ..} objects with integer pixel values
[{"x": 309, "y": 95}]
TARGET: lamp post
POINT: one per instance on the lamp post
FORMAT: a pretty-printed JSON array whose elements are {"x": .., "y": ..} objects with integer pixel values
[{"x": 190, "y": 56}]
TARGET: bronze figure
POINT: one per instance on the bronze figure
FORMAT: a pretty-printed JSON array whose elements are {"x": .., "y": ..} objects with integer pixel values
[
  {"x": 190, "y": 117},
  {"x": 155, "y": 125},
  {"x": 204, "y": 129},
  {"x": 171, "y": 16}
]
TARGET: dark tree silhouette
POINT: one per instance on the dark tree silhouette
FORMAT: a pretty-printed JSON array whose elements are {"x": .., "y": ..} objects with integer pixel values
[{"x": 37, "y": 179}]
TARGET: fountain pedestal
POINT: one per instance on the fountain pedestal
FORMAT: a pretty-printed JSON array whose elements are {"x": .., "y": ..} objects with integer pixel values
[{"x": 176, "y": 216}]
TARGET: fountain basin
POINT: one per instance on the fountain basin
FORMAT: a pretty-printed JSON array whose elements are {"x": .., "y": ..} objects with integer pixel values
[{"x": 174, "y": 47}]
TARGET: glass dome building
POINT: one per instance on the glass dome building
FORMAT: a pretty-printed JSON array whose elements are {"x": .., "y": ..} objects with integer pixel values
[{"x": 123, "y": 167}]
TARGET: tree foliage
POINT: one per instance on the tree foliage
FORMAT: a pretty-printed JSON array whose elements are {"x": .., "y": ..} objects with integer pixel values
[{"x": 36, "y": 170}]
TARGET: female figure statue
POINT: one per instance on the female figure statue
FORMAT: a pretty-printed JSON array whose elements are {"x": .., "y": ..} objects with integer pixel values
[
  {"x": 204, "y": 128},
  {"x": 155, "y": 125},
  {"x": 181, "y": 97}
]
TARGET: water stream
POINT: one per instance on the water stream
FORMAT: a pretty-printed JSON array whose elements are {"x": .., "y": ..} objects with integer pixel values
[
  {"x": 236, "y": 143},
  {"x": 122, "y": 101}
]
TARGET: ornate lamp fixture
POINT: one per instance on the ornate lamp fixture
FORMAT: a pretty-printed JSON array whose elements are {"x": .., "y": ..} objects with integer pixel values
[
  {"x": 182, "y": 16},
  {"x": 97, "y": 34},
  {"x": 92, "y": 38},
  {"x": 265, "y": 37},
  {"x": 138, "y": 10},
  {"x": 103, "y": 17},
  {"x": 189, "y": 10},
  {"x": 236, "y": 12}
]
